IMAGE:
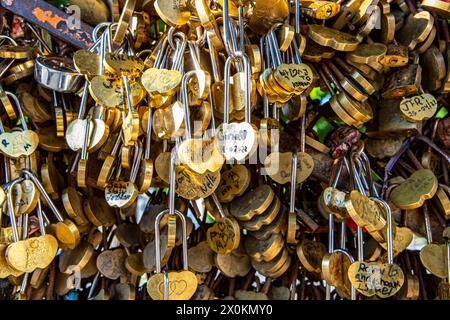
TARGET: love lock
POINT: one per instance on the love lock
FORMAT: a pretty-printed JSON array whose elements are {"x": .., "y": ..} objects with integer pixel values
[
  {"x": 237, "y": 141},
  {"x": 18, "y": 143},
  {"x": 172, "y": 285}
]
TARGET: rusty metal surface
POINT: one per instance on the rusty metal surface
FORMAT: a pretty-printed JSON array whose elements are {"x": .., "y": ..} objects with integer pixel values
[{"x": 55, "y": 21}]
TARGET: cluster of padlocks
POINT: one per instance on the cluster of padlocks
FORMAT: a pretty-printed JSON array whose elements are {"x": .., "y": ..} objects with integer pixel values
[{"x": 224, "y": 149}]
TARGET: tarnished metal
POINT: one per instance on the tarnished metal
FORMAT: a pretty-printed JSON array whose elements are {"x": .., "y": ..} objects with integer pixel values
[{"x": 55, "y": 21}]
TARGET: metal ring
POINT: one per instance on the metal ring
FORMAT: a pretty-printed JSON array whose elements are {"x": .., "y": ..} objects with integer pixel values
[
  {"x": 2, "y": 36},
  {"x": 97, "y": 28},
  {"x": 170, "y": 36}
]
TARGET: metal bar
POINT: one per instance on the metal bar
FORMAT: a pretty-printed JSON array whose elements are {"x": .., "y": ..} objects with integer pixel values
[{"x": 55, "y": 21}]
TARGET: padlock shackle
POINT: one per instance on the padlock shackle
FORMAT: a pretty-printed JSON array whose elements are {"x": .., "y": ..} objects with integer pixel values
[
  {"x": 126, "y": 85},
  {"x": 172, "y": 177},
  {"x": 218, "y": 205},
  {"x": 241, "y": 28},
  {"x": 338, "y": 172},
  {"x": 162, "y": 50},
  {"x": 25, "y": 220},
  {"x": 95, "y": 33},
  {"x": 358, "y": 186},
  {"x": 40, "y": 217},
  {"x": 136, "y": 157},
  {"x": 103, "y": 49},
  {"x": 234, "y": 43},
  {"x": 247, "y": 70},
  {"x": 180, "y": 48},
  {"x": 131, "y": 51},
  {"x": 8, "y": 62},
  {"x": 330, "y": 250},
  {"x": 270, "y": 63},
  {"x": 83, "y": 102},
  {"x": 296, "y": 56},
  {"x": 184, "y": 98},
  {"x": 94, "y": 285},
  {"x": 226, "y": 28},
  {"x": 44, "y": 193},
  {"x": 226, "y": 94},
  {"x": 12, "y": 215},
  {"x": 262, "y": 48},
  {"x": 194, "y": 54},
  {"x": 302, "y": 133},
  {"x": 356, "y": 179},
  {"x": 213, "y": 55},
  {"x": 112, "y": 27},
  {"x": 293, "y": 182},
  {"x": 5, "y": 37},
  {"x": 389, "y": 240},
  {"x": 158, "y": 239},
  {"x": 360, "y": 171},
  {"x": 226, "y": 97},
  {"x": 38, "y": 36},
  {"x": 86, "y": 140},
  {"x": 273, "y": 43},
  {"x": 148, "y": 141},
  {"x": 19, "y": 109},
  {"x": 373, "y": 191},
  {"x": 170, "y": 37},
  {"x": 297, "y": 16},
  {"x": 166, "y": 285}
]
